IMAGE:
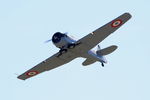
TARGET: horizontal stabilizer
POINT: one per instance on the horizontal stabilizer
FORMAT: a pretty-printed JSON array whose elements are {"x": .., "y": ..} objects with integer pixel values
[
  {"x": 88, "y": 61},
  {"x": 107, "y": 50}
]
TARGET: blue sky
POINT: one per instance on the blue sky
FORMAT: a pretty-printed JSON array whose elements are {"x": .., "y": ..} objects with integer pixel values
[{"x": 26, "y": 24}]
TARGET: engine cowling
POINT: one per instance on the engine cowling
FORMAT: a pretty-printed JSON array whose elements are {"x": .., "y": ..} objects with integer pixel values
[
  {"x": 61, "y": 40},
  {"x": 57, "y": 37}
]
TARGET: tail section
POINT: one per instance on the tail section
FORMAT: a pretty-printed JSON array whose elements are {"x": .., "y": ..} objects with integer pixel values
[
  {"x": 99, "y": 55},
  {"x": 107, "y": 50}
]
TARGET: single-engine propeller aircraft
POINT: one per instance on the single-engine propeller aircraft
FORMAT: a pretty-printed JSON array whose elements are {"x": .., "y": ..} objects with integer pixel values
[{"x": 71, "y": 48}]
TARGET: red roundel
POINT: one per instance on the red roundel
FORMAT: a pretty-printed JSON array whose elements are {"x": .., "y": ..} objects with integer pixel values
[
  {"x": 116, "y": 23},
  {"x": 32, "y": 73}
]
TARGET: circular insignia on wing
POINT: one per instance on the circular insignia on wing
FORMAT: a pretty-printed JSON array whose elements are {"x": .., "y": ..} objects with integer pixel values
[
  {"x": 31, "y": 73},
  {"x": 116, "y": 23}
]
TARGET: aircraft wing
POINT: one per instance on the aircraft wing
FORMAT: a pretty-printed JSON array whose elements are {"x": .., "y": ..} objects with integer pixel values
[
  {"x": 50, "y": 63},
  {"x": 92, "y": 39}
]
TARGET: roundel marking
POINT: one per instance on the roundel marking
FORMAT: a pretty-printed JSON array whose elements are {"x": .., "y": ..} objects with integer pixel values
[
  {"x": 31, "y": 73},
  {"x": 116, "y": 23}
]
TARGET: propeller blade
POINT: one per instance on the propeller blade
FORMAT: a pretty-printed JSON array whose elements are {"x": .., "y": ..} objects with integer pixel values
[
  {"x": 66, "y": 33},
  {"x": 48, "y": 41}
]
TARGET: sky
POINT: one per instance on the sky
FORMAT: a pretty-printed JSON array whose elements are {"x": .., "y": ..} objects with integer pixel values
[{"x": 26, "y": 24}]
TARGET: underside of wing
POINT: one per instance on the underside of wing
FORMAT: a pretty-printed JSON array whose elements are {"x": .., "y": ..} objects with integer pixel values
[
  {"x": 92, "y": 39},
  {"x": 50, "y": 63}
]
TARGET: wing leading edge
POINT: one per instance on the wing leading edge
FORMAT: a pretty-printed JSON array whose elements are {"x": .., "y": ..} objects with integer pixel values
[{"x": 92, "y": 39}]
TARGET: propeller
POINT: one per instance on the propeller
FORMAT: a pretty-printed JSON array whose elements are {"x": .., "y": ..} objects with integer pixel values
[
  {"x": 48, "y": 41},
  {"x": 66, "y": 33},
  {"x": 51, "y": 39}
]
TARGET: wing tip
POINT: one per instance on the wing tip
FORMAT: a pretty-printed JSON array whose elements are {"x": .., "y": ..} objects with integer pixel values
[
  {"x": 128, "y": 14},
  {"x": 115, "y": 46},
  {"x": 21, "y": 78}
]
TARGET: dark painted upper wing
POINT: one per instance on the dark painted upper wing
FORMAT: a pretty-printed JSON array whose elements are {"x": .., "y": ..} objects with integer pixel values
[{"x": 92, "y": 39}]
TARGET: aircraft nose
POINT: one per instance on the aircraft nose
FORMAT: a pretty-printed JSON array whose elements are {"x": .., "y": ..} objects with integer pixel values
[{"x": 57, "y": 37}]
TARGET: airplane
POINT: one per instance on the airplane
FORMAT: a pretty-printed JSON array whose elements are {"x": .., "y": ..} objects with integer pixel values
[{"x": 71, "y": 48}]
